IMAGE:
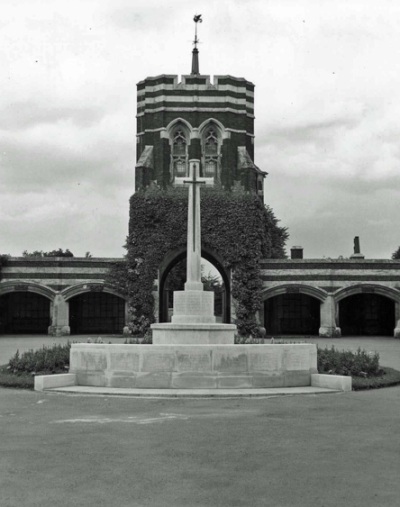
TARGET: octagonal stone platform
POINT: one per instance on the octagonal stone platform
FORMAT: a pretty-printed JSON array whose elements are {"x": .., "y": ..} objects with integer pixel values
[{"x": 193, "y": 366}]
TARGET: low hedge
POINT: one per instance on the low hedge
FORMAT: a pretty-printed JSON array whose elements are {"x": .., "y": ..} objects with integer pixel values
[
  {"x": 46, "y": 360},
  {"x": 346, "y": 362},
  {"x": 388, "y": 377},
  {"x": 17, "y": 380}
]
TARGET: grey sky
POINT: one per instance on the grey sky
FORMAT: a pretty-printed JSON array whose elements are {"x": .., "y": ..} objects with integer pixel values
[{"x": 327, "y": 104}]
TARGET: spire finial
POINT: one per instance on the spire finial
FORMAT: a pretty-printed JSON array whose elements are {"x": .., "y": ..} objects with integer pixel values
[{"x": 195, "y": 52}]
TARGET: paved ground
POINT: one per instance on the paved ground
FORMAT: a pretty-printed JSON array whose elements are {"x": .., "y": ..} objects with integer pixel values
[
  {"x": 388, "y": 348},
  {"x": 301, "y": 451}
]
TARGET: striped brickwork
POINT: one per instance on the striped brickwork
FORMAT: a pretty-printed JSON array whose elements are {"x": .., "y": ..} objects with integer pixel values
[
  {"x": 57, "y": 273},
  {"x": 330, "y": 281},
  {"x": 331, "y": 275},
  {"x": 58, "y": 279},
  {"x": 227, "y": 101},
  {"x": 327, "y": 280}
]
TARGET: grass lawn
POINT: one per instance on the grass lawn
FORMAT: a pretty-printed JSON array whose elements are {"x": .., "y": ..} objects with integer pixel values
[
  {"x": 289, "y": 451},
  {"x": 20, "y": 380}
]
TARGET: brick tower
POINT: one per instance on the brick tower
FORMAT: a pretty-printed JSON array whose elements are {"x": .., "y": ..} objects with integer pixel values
[{"x": 196, "y": 119}]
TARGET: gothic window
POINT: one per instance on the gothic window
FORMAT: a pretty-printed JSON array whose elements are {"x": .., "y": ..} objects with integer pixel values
[
  {"x": 179, "y": 153},
  {"x": 211, "y": 153}
]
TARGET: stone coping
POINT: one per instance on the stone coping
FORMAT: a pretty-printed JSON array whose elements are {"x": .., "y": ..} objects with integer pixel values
[{"x": 193, "y": 393}]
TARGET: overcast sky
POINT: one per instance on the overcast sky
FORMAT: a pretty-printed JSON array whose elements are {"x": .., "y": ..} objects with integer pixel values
[{"x": 327, "y": 105}]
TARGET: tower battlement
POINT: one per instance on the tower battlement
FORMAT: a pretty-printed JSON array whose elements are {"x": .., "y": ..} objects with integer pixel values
[{"x": 195, "y": 93}]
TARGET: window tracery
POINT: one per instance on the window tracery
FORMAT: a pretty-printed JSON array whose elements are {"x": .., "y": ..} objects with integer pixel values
[
  {"x": 211, "y": 152},
  {"x": 179, "y": 153}
]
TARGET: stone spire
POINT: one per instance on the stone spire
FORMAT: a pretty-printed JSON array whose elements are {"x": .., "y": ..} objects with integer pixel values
[{"x": 195, "y": 52}]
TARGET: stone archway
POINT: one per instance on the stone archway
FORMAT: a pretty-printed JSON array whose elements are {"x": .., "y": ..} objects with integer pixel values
[
  {"x": 171, "y": 260},
  {"x": 293, "y": 309},
  {"x": 25, "y": 308},
  {"x": 367, "y": 310},
  {"x": 95, "y": 308}
]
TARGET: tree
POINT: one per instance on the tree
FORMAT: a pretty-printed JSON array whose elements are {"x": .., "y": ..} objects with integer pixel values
[
  {"x": 53, "y": 253},
  {"x": 396, "y": 254}
]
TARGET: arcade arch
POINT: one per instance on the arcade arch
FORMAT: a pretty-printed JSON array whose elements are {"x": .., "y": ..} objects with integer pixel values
[
  {"x": 367, "y": 310},
  {"x": 25, "y": 308},
  {"x": 293, "y": 310},
  {"x": 95, "y": 309},
  {"x": 222, "y": 304}
]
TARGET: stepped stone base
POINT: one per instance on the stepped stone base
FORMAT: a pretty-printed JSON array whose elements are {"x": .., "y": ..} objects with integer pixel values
[
  {"x": 193, "y": 306},
  {"x": 193, "y": 334},
  {"x": 193, "y": 366}
]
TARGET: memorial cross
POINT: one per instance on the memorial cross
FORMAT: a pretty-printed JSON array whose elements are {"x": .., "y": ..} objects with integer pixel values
[{"x": 193, "y": 263}]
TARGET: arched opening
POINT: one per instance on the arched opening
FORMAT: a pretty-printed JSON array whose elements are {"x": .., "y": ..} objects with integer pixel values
[
  {"x": 214, "y": 277},
  {"x": 367, "y": 314},
  {"x": 24, "y": 313},
  {"x": 96, "y": 313},
  {"x": 292, "y": 314}
]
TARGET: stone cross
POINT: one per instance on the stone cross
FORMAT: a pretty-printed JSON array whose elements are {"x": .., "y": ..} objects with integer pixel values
[{"x": 193, "y": 262}]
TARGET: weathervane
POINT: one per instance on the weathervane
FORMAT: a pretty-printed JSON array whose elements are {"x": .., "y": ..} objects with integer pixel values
[
  {"x": 196, "y": 19},
  {"x": 195, "y": 52}
]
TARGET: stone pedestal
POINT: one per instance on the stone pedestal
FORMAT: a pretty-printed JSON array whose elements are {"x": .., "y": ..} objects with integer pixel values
[
  {"x": 194, "y": 307},
  {"x": 193, "y": 334},
  {"x": 193, "y": 322}
]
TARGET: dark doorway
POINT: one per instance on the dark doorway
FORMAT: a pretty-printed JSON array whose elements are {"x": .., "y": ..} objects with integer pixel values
[
  {"x": 292, "y": 314},
  {"x": 367, "y": 315},
  {"x": 96, "y": 313},
  {"x": 24, "y": 313},
  {"x": 174, "y": 280}
]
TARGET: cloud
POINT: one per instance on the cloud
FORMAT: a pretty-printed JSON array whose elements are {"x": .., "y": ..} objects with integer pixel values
[{"x": 25, "y": 114}]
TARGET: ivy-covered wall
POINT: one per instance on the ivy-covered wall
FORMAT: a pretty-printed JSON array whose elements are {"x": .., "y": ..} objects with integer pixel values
[{"x": 235, "y": 225}]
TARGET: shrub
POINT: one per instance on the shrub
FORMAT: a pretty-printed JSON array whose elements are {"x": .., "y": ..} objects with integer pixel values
[
  {"x": 345, "y": 362},
  {"x": 45, "y": 360},
  {"x": 16, "y": 380},
  {"x": 388, "y": 377},
  {"x": 247, "y": 340},
  {"x": 147, "y": 339}
]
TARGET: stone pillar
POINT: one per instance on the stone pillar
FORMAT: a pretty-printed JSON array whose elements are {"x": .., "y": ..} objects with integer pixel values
[
  {"x": 156, "y": 297},
  {"x": 59, "y": 317},
  {"x": 126, "y": 331},
  {"x": 193, "y": 261},
  {"x": 328, "y": 327},
  {"x": 396, "y": 332},
  {"x": 260, "y": 315}
]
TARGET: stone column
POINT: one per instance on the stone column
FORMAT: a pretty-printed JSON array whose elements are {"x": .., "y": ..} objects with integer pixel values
[
  {"x": 193, "y": 260},
  {"x": 59, "y": 317},
  {"x": 328, "y": 327}
]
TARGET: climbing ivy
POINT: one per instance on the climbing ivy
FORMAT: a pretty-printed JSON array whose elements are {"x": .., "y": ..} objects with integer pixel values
[{"x": 235, "y": 225}]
